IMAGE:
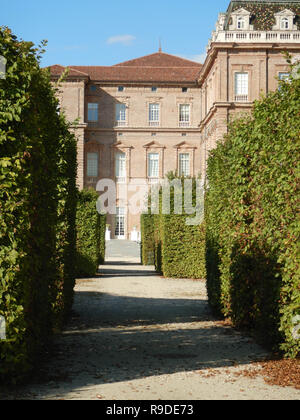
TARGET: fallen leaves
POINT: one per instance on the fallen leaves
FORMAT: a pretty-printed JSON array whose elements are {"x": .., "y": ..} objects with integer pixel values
[{"x": 285, "y": 372}]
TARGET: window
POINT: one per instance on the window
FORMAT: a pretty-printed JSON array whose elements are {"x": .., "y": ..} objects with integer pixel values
[
  {"x": 284, "y": 23},
  {"x": 154, "y": 114},
  {"x": 240, "y": 23},
  {"x": 93, "y": 112},
  {"x": 92, "y": 164},
  {"x": 241, "y": 87},
  {"x": 120, "y": 222},
  {"x": 121, "y": 167},
  {"x": 184, "y": 164},
  {"x": 154, "y": 89},
  {"x": 184, "y": 89},
  {"x": 120, "y": 115},
  {"x": 120, "y": 88},
  {"x": 153, "y": 165},
  {"x": 284, "y": 76},
  {"x": 184, "y": 115},
  {"x": 93, "y": 88}
]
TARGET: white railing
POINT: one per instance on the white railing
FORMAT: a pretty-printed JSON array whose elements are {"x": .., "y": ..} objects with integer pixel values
[
  {"x": 241, "y": 98},
  {"x": 184, "y": 124},
  {"x": 257, "y": 36},
  {"x": 120, "y": 123},
  {"x": 153, "y": 123}
]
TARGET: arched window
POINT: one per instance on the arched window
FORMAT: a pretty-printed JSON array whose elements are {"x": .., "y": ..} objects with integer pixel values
[
  {"x": 240, "y": 22},
  {"x": 284, "y": 24}
]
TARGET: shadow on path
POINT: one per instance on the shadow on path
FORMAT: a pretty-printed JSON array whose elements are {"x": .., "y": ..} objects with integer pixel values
[{"x": 115, "y": 337}]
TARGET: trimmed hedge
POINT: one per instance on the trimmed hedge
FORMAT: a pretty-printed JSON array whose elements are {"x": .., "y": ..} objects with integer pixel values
[
  {"x": 37, "y": 209},
  {"x": 252, "y": 236},
  {"x": 179, "y": 249},
  {"x": 147, "y": 243},
  {"x": 91, "y": 228},
  {"x": 183, "y": 251}
]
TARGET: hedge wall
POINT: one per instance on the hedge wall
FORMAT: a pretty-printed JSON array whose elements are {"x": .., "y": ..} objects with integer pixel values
[
  {"x": 252, "y": 217},
  {"x": 37, "y": 208},
  {"x": 179, "y": 249},
  {"x": 147, "y": 243},
  {"x": 91, "y": 228},
  {"x": 183, "y": 251}
]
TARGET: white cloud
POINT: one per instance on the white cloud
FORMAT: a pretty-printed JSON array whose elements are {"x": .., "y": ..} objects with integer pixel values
[{"x": 121, "y": 39}]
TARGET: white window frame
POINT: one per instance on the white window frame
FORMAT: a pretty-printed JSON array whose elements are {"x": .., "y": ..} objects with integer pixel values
[
  {"x": 240, "y": 23},
  {"x": 284, "y": 75},
  {"x": 241, "y": 86},
  {"x": 121, "y": 167},
  {"x": 121, "y": 115},
  {"x": 93, "y": 112},
  {"x": 184, "y": 164},
  {"x": 120, "y": 223},
  {"x": 153, "y": 170},
  {"x": 184, "y": 115},
  {"x": 284, "y": 23},
  {"x": 92, "y": 169},
  {"x": 154, "y": 114}
]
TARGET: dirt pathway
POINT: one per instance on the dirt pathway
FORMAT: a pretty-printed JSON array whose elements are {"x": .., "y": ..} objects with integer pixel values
[{"x": 136, "y": 336}]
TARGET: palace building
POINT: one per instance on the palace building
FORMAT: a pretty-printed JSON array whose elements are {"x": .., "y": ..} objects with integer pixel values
[{"x": 140, "y": 119}]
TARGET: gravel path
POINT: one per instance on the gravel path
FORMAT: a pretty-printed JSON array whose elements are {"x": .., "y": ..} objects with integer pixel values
[{"x": 136, "y": 336}]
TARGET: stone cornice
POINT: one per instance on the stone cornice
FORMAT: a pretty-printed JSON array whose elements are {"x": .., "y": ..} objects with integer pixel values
[{"x": 225, "y": 47}]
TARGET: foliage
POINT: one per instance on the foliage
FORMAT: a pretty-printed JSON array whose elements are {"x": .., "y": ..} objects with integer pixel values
[
  {"x": 91, "y": 228},
  {"x": 37, "y": 207},
  {"x": 252, "y": 219},
  {"x": 179, "y": 249},
  {"x": 147, "y": 244}
]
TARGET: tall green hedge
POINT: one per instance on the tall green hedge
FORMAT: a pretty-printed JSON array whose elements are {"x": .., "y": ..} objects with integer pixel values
[
  {"x": 37, "y": 208},
  {"x": 252, "y": 216},
  {"x": 183, "y": 251},
  {"x": 91, "y": 228},
  {"x": 147, "y": 242},
  {"x": 178, "y": 248}
]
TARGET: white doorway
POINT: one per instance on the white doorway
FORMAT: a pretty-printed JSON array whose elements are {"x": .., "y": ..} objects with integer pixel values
[{"x": 120, "y": 223}]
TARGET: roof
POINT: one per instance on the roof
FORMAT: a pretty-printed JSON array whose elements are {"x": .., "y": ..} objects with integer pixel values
[
  {"x": 159, "y": 59},
  {"x": 57, "y": 70},
  {"x": 263, "y": 11},
  {"x": 154, "y": 68}
]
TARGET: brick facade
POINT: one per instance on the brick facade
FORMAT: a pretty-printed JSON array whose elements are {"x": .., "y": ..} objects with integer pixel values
[{"x": 206, "y": 96}]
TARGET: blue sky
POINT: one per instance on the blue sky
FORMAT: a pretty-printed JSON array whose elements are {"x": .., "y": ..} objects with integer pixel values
[{"x": 97, "y": 32}]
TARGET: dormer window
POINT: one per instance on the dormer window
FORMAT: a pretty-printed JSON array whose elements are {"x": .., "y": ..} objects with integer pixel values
[
  {"x": 240, "y": 20},
  {"x": 285, "y": 21}
]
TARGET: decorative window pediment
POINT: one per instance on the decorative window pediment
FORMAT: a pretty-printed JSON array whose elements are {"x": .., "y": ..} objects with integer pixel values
[
  {"x": 185, "y": 157},
  {"x": 184, "y": 145},
  {"x": 121, "y": 146},
  {"x": 240, "y": 20},
  {"x": 153, "y": 145},
  {"x": 285, "y": 21}
]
